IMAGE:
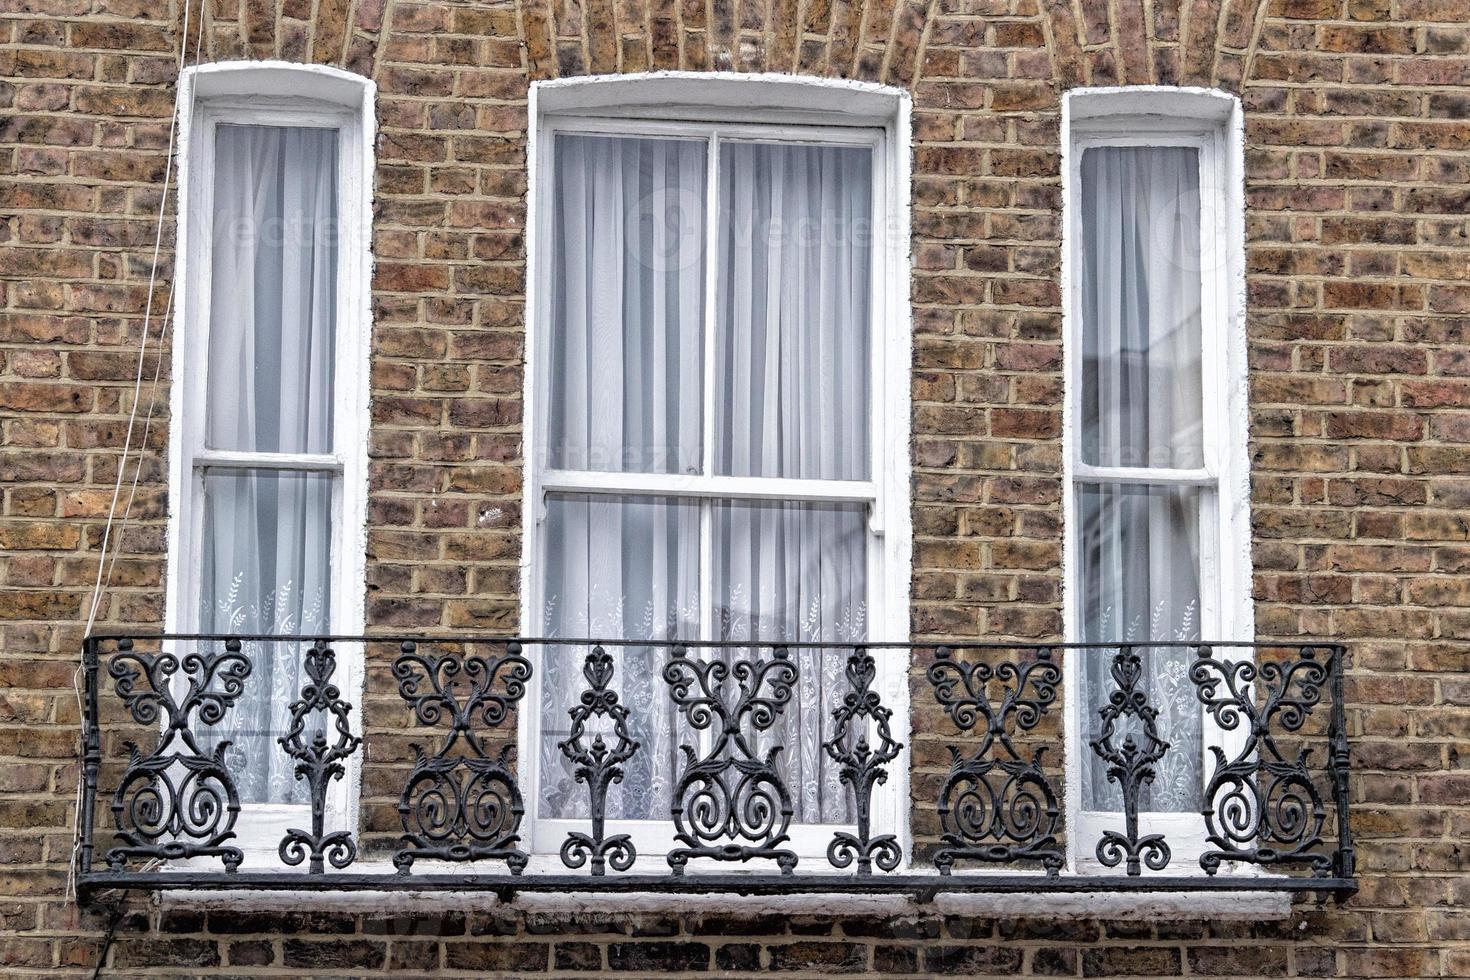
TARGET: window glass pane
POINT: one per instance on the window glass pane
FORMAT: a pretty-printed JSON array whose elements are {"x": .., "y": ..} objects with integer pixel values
[
  {"x": 627, "y": 304},
  {"x": 798, "y": 572},
  {"x": 273, "y": 290},
  {"x": 1139, "y": 561},
  {"x": 793, "y": 350},
  {"x": 266, "y": 569},
  {"x": 791, "y": 571},
  {"x": 614, "y": 568},
  {"x": 1141, "y": 394},
  {"x": 628, "y": 567}
]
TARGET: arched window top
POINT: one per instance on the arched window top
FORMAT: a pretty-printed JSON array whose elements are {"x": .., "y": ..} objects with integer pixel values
[
  {"x": 1168, "y": 101},
  {"x": 276, "y": 79},
  {"x": 727, "y": 95}
]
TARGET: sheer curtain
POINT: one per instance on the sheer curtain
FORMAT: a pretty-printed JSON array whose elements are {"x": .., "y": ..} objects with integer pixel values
[
  {"x": 267, "y": 533},
  {"x": 791, "y": 371},
  {"x": 792, "y": 349},
  {"x": 1141, "y": 407},
  {"x": 617, "y": 568},
  {"x": 792, "y": 362},
  {"x": 626, "y": 357},
  {"x": 627, "y": 305},
  {"x": 797, "y": 572}
]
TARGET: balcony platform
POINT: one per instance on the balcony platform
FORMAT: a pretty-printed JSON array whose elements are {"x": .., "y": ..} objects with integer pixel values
[{"x": 920, "y": 887}]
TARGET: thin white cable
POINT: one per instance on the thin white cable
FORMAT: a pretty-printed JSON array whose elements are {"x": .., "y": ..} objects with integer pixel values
[
  {"x": 168, "y": 172},
  {"x": 165, "y": 328},
  {"x": 76, "y": 817},
  {"x": 163, "y": 332},
  {"x": 102, "y": 560}
]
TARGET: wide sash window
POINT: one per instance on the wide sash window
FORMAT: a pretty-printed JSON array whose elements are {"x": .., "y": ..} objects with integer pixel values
[{"x": 707, "y": 398}]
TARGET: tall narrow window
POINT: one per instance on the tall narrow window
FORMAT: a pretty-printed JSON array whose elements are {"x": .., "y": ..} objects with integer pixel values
[
  {"x": 265, "y": 563},
  {"x": 268, "y": 455},
  {"x": 708, "y": 404},
  {"x": 1155, "y": 521}
]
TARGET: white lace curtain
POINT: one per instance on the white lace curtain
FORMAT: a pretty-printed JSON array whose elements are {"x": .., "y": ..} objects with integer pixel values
[
  {"x": 266, "y": 559},
  {"x": 1141, "y": 407},
  {"x": 790, "y": 370}
]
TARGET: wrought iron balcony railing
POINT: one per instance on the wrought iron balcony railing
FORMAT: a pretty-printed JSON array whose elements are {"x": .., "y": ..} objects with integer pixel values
[{"x": 441, "y": 805}]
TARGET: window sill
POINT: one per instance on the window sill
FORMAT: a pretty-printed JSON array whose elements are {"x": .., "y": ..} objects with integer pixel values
[
  {"x": 1216, "y": 906},
  {"x": 1157, "y": 905},
  {"x": 374, "y": 887}
]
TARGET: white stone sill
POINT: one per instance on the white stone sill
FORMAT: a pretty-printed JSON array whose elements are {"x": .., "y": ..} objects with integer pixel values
[{"x": 1264, "y": 905}]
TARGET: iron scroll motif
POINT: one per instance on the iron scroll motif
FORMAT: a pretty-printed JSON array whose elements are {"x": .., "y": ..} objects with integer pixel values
[
  {"x": 319, "y": 762},
  {"x": 599, "y": 766},
  {"x": 731, "y": 793},
  {"x": 1130, "y": 765},
  {"x": 176, "y": 801},
  {"x": 461, "y": 803},
  {"x": 1261, "y": 806},
  {"x": 862, "y": 767},
  {"x": 996, "y": 805}
]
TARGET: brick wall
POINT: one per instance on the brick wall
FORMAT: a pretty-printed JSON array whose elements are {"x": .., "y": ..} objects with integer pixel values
[{"x": 1358, "y": 185}]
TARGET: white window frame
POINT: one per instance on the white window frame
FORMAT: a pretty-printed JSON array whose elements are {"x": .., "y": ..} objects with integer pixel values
[
  {"x": 276, "y": 94},
  {"x": 1211, "y": 122},
  {"x": 769, "y": 108}
]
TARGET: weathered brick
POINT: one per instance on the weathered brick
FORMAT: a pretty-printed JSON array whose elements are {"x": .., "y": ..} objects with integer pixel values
[
  {"x": 972, "y": 960},
  {"x": 484, "y": 955},
  {"x": 1148, "y": 961},
  {"x": 654, "y": 956},
  {"x": 340, "y": 953}
]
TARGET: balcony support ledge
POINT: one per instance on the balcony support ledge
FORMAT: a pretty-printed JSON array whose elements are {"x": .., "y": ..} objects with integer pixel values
[{"x": 921, "y": 888}]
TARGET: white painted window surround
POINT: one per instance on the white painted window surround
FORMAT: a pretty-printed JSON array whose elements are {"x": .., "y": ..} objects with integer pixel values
[
  {"x": 706, "y": 113},
  {"x": 1204, "y": 126},
  {"x": 328, "y": 112}
]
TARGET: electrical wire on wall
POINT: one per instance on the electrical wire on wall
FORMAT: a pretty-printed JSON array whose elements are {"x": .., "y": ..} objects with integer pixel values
[
  {"x": 114, "y": 918},
  {"x": 112, "y": 531},
  {"x": 103, "y": 563}
]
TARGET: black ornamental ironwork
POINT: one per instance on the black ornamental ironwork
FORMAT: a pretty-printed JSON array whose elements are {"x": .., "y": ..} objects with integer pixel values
[
  {"x": 461, "y": 802},
  {"x": 731, "y": 803},
  {"x": 863, "y": 756},
  {"x": 319, "y": 761},
  {"x": 997, "y": 805},
  {"x": 599, "y": 765},
  {"x": 1274, "y": 786}
]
